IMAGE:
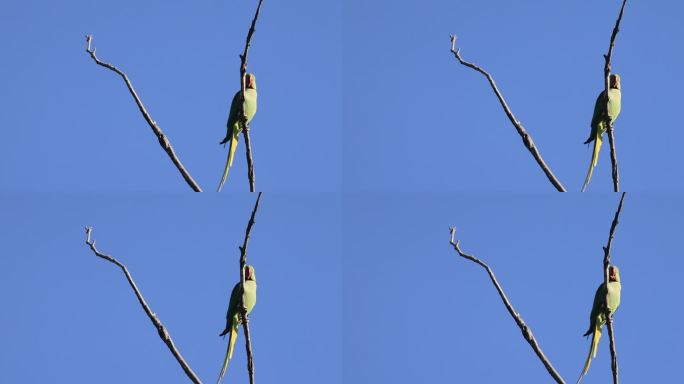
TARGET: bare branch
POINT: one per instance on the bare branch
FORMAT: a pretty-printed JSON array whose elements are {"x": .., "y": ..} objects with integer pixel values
[
  {"x": 163, "y": 333},
  {"x": 526, "y": 331},
  {"x": 527, "y": 139},
  {"x": 613, "y": 351},
  {"x": 606, "y": 249},
  {"x": 613, "y": 156},
  {"x": 607, "y": 119},
  {"x": 243, "y": 118},
  {"x": 606, "y": 264},
  {"x": 250, "y": 162},
  {"x": 245, "y": 318},
  {"x": 163, "y": 139}
]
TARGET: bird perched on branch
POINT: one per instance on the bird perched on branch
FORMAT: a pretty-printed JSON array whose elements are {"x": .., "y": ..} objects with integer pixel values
[
  {"x": 234, "y": 128},
  {"x": 598, "y": 123},
  {"x": 602, "y": 298},
  {"x": 234, "y": 314}
]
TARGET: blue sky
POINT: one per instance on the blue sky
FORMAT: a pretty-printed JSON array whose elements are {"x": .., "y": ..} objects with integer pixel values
[
  {"x": 414, "y": 311},
  {"x": 370, "y": 141},
  {"x": 385, "y": 299},
  {"x": 417, "y": 120},
  {"x": 387, "y": 106},
  {"x": 72, "y": 316},
  {"x": 74, "y": 126}
]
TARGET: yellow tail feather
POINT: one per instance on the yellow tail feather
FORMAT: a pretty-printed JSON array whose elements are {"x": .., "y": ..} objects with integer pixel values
[
  {"x": 229, "y": 161},
  {"x": 231, "y": 345},
  {"x": 592, "y": 351},
  {"x": 229, "y": 354},
  {"x": 594, "y": 161}
]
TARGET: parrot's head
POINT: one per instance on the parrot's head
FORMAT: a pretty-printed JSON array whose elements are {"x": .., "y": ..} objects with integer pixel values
[
  {"x": 615, "y": 81},
  {"x": 249, "y": 273},
  {"x": 250, "y": 81},
  {"x": 613, "y": 274}
]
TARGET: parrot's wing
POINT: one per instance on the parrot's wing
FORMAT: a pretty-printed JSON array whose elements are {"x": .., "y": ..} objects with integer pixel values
[
  {"x": 232, "y": 308},
  {"x": 231, "y": 327},
  {"x": 594, "y": 327},
  {"x": 233, "y": 115},
  {"x": 232, "y": 133},
  {"x": 599, "y": 299},
  {"x": 599, "y": 107},
  {"x": 234, "y": 300},
  {"x": 595, "y": 135}
]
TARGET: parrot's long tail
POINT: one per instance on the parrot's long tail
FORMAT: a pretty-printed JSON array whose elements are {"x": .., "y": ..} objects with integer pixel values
[
  {"x": 592, "y": 351},
  {"x": 231, "y": 344},
  {"x": 229, "y": 161},
  {"x": 594, "y": 161},
  {"x": 229, "y": 354}
]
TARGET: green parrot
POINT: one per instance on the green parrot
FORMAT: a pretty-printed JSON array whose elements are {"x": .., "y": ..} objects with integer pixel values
[
  {"x": 234, "y": 314},
  {"x": 233, "y": 126},
  {"x": 598, "y": 317},
  {"x": 598, "y": 124}
]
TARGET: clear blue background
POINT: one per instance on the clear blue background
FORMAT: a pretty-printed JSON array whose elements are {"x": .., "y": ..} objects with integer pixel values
[
  {"x": 69, "y": 316},
  {"x": 69, "y": 124},
  {"x": 415, "y": 119},
  {"x": 360, "y": 97},
  {"x": 415, "y": 312},
  {"x": 404, "y": 309}
]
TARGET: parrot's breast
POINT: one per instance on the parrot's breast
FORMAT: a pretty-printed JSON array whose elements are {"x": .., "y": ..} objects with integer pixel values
[
  {"x": 250, "y": 103},
  {"x": 249, "y": 296},
  {"x": 614, "y": 289},
  {"x": 614, "y": 103}
]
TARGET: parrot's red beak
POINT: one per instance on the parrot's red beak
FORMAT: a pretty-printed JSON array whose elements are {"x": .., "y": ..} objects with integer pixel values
[
  {"x": 248, "y": 82},
  {"x": 611, "y": 274},
  {"x": 248, "y": 275}
]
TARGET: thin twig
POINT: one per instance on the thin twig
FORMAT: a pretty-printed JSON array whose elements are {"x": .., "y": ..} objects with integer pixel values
[
  {"x": 163, "y": 333},
  {"x": 527, "y": 139},
  {"x": 243, "y": 264},
  {"x": 607, "y": 119},
  {"x": 613, "y": 351},
  {"x": 526, "y": 331},
  {"x": 606, "y": 280},
  {"x": 163, "y": 140},
  {"x": 243, "y": 118}
]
